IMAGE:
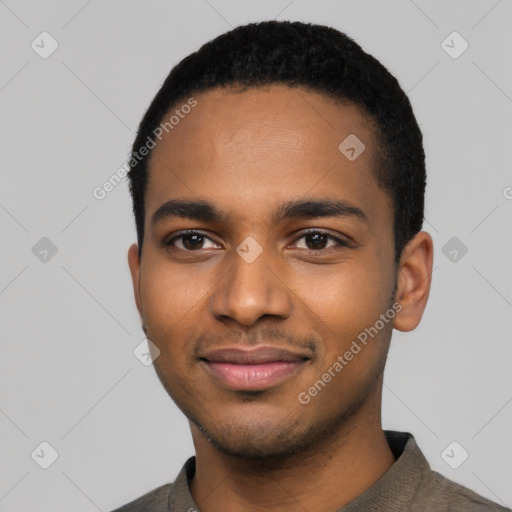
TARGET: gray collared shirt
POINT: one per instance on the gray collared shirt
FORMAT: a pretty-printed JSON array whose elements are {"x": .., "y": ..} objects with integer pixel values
[{"x": 409, "y": 485}]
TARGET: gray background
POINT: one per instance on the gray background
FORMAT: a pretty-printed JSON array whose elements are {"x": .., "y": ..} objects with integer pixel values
[{"x": 69, "y": 325}]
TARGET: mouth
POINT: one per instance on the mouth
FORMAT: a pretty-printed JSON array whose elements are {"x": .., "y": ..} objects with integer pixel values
[{"x": 255, "y": 369}]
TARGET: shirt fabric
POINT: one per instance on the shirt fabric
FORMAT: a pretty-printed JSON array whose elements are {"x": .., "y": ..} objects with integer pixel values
[{"x": 409, "y": 485}]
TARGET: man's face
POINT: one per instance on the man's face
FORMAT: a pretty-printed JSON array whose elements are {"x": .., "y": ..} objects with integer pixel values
[{"x": 248, "y": 154}]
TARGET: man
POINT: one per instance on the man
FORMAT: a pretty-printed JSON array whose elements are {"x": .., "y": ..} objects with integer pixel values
[{"x": 278, "y": 185}]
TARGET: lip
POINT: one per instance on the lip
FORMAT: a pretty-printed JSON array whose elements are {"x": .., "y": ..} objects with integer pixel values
[{"x": 253, "y": 369}]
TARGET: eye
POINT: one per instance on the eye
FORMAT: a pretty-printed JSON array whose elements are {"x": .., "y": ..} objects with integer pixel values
[
  {"x": 313, "y": 240},
  {"x": 190, "y": 241},
  {"x": 316, "y": 241}
]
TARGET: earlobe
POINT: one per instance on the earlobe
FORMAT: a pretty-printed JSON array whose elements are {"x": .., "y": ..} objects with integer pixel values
[
  {"x": 413, "y": 281},
  {"x": 134, "y": 265}
]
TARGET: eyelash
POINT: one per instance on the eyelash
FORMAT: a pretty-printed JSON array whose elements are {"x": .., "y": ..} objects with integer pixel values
[{"x": 340, "y": 242}]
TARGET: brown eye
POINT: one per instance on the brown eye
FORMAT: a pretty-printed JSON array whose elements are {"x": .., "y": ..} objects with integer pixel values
[
  {"x": 316, "y": 241},
  {"x": 192, "y": 241},
  {"x": 319, "y": 240}
]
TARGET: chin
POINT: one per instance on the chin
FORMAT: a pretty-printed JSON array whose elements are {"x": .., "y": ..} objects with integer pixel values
[
  {"x": 270, "y": 442},
  {"x": 254, "y": 447}
]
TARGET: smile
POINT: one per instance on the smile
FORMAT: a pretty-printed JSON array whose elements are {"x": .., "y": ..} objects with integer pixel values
[
  {"x": 244, "y": 369},
  {"x": 245, "y": 377}
]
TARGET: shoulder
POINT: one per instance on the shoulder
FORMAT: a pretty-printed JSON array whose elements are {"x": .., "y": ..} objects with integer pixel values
[
  {"x": 153, "y": 501},
  {"x": 444, "y": 494},
  {"x": 162, "y": 499}
]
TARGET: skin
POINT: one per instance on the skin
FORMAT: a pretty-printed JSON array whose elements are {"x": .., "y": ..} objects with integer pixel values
[{"x": 249, "y": 152}]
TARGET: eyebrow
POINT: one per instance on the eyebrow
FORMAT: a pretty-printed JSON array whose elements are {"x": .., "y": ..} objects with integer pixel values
[{"x": 299, "y": 209}]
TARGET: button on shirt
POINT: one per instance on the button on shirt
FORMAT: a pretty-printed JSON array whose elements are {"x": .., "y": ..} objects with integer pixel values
[{"x": 409, "y": 485}]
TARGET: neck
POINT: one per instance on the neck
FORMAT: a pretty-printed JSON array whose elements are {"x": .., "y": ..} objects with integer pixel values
[{"x": 326, "y": 478}]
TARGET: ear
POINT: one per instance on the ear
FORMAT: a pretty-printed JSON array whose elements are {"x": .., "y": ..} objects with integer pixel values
[
  {"x": 134, "y": 264},
  {"x": 413, "y": 281}
]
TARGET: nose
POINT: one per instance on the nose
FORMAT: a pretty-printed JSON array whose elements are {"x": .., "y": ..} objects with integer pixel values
[{"x": 251, "y": 290}]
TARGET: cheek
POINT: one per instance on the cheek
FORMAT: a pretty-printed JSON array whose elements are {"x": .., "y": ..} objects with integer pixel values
[
  {"x": 354, "y": 348},
  {"x": 172, "y": 301},
  {"x": 345, "y": 307},
  {"x": 343, "y": 297}
]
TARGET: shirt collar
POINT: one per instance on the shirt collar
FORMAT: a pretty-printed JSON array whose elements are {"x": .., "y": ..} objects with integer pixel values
[
  {"x": 396, "y": 487},
  {"x": 401, "y": 482}
]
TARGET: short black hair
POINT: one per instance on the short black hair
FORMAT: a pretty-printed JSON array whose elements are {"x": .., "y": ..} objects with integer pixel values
[{"x": 317, "y": 58}]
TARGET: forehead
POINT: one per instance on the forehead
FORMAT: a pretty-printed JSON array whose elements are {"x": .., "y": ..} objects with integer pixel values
[
  {"x": 255, "y": 146},
  {"x": 292, "y": 117}
]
